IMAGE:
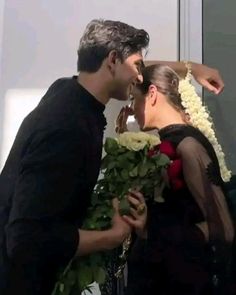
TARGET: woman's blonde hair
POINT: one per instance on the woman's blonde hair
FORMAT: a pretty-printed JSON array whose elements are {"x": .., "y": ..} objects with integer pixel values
[{"x": 182, "y": 96}]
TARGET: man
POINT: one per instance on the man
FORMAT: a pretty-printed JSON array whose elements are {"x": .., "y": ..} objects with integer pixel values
[{"x": 46, "y": 183}]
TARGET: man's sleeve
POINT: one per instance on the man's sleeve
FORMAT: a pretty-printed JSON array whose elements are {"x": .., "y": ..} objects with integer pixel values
[{"x": 51, "y": 181}]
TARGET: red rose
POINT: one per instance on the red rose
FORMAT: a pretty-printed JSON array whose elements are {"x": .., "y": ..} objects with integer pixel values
[
  {"x": 175, "y": 169},
  {"x": 168, "y": 149},
  {"x": 174, "y": 172},
  {"x": 177, "y": 184},
  {"x": 152, "y": 152}
]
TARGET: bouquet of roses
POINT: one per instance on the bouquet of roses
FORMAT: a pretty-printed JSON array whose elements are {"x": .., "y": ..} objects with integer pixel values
[{"x": 133, "y": 160}]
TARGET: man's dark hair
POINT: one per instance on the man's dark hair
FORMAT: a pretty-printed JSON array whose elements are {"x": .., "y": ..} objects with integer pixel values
[{"x": 103, "y": 36}]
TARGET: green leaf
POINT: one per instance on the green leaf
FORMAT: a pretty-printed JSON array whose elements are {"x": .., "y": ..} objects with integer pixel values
[
  {"x": 161, "y": 160},
  {"x": 124, "y": 174},
  {"x": 111, "y": 146},
  {"x": 142, "y": 170},
  {"x": 130, "y": 155},
  {"x": 134, "y": 172},
  {"x": 95, "y": 259},
  {"x": 105, "y": 161},
  {"x": 124, "y": 207},
  {"x": 121, "y": 150},
  {"x": 122, "y": 162},
  {"x": 111, "y": 165},
  {"x": 99, "y": 275},
  {"x": 85, "y": 276},
  {"x": 61, "y": 287},
  {"x": 110, "y": 212},
  {"x": 71, "y": 278},
  {"x": 112, "y": 187},
  {"x": 102, "y": 224}
]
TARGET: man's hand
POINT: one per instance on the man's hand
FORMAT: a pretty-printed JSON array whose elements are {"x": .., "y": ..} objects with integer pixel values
[
  {"x": 208, "y": 77},
  {"x": 91, "y": 241},
  {"x": 120, "y": 229}
]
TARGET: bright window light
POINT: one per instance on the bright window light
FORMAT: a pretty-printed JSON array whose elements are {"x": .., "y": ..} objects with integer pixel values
[
  {"x": 131, "y": 119},
  {"x": 18, "y": 104}
]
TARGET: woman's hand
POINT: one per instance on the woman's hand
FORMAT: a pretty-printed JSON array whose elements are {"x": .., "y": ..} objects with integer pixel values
[
  {"x": 208, "y": 77},
  {"x": 121, "y": 121},
  {"x": 138, "y": 213}
]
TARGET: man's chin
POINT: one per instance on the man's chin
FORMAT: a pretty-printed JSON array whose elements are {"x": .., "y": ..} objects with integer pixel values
[{"x": 121, "y": 98}]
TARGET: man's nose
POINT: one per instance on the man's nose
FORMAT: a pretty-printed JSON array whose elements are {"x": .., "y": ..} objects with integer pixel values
[{"x": 139, "y": 79}]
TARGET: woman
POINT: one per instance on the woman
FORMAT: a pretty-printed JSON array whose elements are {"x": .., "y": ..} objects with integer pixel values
[{"x": 184, "y": 246}]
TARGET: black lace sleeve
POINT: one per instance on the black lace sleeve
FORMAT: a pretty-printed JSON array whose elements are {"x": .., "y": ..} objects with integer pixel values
[{"x": 202, "y": 179}]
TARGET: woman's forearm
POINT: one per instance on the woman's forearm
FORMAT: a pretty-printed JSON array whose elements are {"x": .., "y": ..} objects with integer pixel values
[{"x": 177, "y": 66}]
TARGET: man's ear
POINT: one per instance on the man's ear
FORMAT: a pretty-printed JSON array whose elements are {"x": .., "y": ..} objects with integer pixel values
[
  {"x": 112, "y": 60},
  {"x": 153, "y": 94}
]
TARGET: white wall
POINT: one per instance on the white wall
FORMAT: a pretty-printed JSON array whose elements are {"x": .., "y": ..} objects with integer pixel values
[
  {"x": 191, "y": 33},
  {"x": 2, "y": 3},
  {"x": 191, "y": 30},
  {"x": 2, "y": 6},
  {"x": 40, "y": 40}
]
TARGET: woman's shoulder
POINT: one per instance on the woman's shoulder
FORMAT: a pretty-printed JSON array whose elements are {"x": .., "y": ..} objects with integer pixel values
[{"x": 190, "y": 147}]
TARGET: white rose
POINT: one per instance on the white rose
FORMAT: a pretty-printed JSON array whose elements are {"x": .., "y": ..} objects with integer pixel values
[
  {"x": 137, "y": 140},
  {"x": 154, "y": 140}
]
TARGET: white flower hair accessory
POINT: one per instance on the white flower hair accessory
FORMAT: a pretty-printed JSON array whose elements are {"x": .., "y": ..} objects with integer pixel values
[{"x": 200, "y": 118}]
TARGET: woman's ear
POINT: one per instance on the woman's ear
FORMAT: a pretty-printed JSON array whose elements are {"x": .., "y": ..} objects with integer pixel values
[{"x": 153, "y": 94}]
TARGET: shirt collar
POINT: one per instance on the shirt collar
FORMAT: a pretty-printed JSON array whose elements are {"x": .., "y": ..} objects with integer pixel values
[{"x": 88, "y": 98}]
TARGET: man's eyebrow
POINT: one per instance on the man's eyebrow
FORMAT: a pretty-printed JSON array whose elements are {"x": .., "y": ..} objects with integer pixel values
[{"x": 140, "y": 63}]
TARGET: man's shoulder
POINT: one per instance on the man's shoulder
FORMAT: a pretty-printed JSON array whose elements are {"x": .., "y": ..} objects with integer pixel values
[
  {"x": 62, "y": 94},
  {"x": 60, "y": 106},
  {"x": 60, "y": 85},
  {"x": 63, "y": 81}
]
